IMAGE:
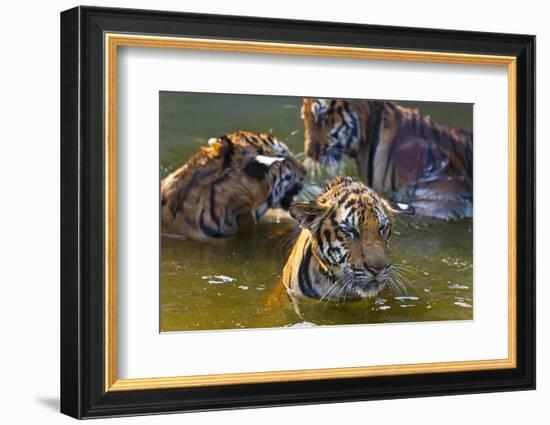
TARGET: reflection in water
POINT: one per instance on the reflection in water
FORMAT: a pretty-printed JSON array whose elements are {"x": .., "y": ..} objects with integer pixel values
[{"x": 232, "y": 283}]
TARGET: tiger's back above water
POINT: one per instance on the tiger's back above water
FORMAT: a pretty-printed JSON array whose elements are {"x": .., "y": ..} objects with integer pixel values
[
  {"x": 233, "y": 180},
  {"x": 398, "y": 151}
]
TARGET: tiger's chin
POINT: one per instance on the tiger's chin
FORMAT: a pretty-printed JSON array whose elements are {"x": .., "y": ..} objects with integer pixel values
[
  {"x": 350, "y": 287},
  {"x": 370, "y": 289},
  {"x": 333, "y": 164}
]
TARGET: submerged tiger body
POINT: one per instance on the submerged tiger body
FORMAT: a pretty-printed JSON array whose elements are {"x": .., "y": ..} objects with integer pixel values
[
  {"x": 233, "y": 180},
  {"x": 398, "y": 152},
  {"x": 342, "y": 251}
]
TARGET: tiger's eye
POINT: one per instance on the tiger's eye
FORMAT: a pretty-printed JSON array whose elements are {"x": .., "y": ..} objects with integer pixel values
[
  {"x": 351, "y": 232},
  {"x": 385, "y": 231}
]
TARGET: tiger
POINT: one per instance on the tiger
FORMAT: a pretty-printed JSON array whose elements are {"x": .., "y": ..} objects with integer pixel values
[
  {"x": 232, "y": 181},
  {"x": 398, "y": 152},
  {"x": 342, "y": 251}
]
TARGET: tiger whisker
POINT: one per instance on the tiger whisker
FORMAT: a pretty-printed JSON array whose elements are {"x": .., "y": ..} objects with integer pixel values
[
  {"x": 329, "y": 292},
  {"x": 348, "y": 284},
  {"x": 343, "y": 286},
  {"x": 401, "y": 281},
  {"x": 392, "y": 286},
  {"x": 399, "y": 273},
  {"x": 407, "y": 273},
  {"x": 409, "y": 267},
  {"x": 409, "y": 284},
  {"x": 331, "y": 289},
  {"x": 402, "y": 274},
  {"x": 402, "y": 285},
  {"x": 337, "y": 292}
]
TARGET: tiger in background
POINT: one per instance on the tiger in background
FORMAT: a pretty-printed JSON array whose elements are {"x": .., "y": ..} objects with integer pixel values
[
  {"x": 342, "y": 251},
  {"x": 232, "y": 181},
  {"x": 398, "y": 152}
]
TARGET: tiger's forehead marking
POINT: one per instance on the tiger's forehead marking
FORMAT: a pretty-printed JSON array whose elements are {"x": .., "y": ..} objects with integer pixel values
[
  {"x": 320, "y": 105},
  {"x": 324, "y": 105},
  {"x": 264, "y": 143},
  {"x": 355, "y": 202}
]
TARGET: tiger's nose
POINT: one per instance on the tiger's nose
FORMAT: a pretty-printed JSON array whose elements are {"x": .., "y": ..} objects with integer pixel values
[{"x": 376, "y": 269}]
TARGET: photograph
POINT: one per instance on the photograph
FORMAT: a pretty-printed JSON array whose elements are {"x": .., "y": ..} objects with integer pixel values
[{"x": 289, "y": 212}]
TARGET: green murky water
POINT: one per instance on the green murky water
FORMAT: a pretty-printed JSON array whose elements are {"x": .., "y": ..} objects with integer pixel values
[{"x": 229, "y": 284}]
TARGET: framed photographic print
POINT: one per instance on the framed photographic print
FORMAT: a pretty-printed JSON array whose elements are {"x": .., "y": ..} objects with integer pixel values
[{"x": 262, "y": 212}]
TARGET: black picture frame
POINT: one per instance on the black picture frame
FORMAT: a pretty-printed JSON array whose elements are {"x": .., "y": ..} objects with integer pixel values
[{"x": 82, "y": 205}]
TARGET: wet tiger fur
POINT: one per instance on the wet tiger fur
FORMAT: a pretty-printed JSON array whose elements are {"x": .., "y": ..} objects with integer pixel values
[
  {"x": 233, "y": 180},
  {"x": 342, "y": 251},
  {"x": 398, "y": 152}
]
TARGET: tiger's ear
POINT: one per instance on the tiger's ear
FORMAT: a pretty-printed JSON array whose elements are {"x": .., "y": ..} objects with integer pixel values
[
  {"x": 268, "y": 160},
  {"x": 305, "y": 213},
  {"x": 259, "y": 165},
  {"x": 398, "y": 208}
]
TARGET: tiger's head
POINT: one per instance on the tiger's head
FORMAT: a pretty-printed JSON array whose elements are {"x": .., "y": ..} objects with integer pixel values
[
  {"x": 268, "y": 170},
  {"x": 273, "y": 165},
  {"x": 332, "y": 130},
  {"x": 350, "y": 227}
]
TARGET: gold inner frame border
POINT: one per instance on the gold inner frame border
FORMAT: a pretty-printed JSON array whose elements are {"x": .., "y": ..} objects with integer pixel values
[{"x": 112, "y": 41}]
